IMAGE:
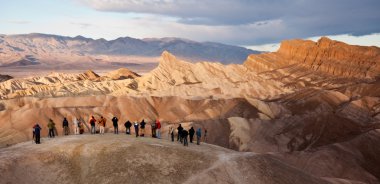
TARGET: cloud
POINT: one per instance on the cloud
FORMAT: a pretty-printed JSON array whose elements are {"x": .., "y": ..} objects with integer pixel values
[
  {"x": 366, "y": 40},
  {"x": 258, "y": 21},
  {"x": 17, "y": 21},
  {"x": 82, "y": 25}
]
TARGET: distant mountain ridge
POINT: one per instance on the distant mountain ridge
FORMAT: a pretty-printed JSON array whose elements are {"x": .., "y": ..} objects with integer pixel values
[{"x": 46, "y": 48}]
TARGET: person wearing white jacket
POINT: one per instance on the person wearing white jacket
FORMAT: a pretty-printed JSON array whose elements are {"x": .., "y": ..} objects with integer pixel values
[{"x": 75, "y": 126}]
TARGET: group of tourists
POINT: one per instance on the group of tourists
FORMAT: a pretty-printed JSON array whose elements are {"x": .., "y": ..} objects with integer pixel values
[
  {"x": 139, "y": 128},
  {"x": 182, "y": 134}
]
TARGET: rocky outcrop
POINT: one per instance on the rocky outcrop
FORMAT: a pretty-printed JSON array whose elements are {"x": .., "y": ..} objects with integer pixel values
[
  {"x": 122, "y": 73},
  {"x": 5, "y": 77},
  {"x": 172, "y": 77},
  {"x": 325, "y": 56},
  {"x": 177, "y": 77}
]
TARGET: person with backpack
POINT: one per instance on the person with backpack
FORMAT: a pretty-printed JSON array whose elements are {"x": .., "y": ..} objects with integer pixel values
[
  {"x": 184, "y": 134},
  {"x": 153, "y": 125},
  {"x": 115, "y": 125},
  {"x": 199, "y": 134},
  {"x": 158, "y": 128},
  {"x": 92, "y": 123},
  {"x": 171, "y": 133},
  {"x": 136, "y": 125},
  {"x": 179, "y": 130},
  {"x": 65, "y": 126},
  {"x": 191, "y": 133},
  {"x": 102, "y": 125},
  {"x": 128, "y": 125},
  {"x": 37, "y": 133},
  {"x": 51, "y": 127},
  {"x": 76, "y": 125},
  {"x": 142, "y": 127}
]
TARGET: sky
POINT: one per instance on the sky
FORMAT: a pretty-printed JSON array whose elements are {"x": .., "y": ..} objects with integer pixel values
[{"x": 256, "y": 24}]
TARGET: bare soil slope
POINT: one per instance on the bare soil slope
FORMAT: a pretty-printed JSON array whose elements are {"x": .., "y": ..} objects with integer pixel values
[{"x": 125, "y": 159}]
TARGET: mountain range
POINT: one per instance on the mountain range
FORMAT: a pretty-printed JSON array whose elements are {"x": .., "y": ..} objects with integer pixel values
[{"x": 61, "y": 52}]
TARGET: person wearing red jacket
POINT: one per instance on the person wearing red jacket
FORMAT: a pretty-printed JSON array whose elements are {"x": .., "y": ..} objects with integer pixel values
[{"x": 158, "y": 129}]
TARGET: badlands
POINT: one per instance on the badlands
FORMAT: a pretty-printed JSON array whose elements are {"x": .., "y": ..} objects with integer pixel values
[{"x": 308, "y": 113}]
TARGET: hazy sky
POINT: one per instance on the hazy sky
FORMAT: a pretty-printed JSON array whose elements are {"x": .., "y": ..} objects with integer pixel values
[{"x": 258, "y": 24}]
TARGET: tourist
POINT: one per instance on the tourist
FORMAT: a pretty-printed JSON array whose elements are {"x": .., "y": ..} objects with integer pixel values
[
  {"x": 65, "y": 125},
  {"x": 80, "y": 127},
  {"x": 184, "y": 134},
  {"x": 37, "y": 133},
  {"x": 115, "y": 125},
  {"x": 171, "y": 133},
  {"x": 102, "y": 125},
  {"x": 92, "y": 123},
  {"x": 128, "y": 125},
  {"x": 205, "y": 136},
  {"x": 191, "y": 133},
  {"x": 199, "y": 135},
  {"x": 158, "y": 128},
  {"x": 76, "y": 126},
  {"x": 142, "y": 127},
  {"x": 179, "y": 131},
  {"x": 153, "y": 125},
  {"x": 51, "y": 127},
  {"x": 136, "y": 125}
]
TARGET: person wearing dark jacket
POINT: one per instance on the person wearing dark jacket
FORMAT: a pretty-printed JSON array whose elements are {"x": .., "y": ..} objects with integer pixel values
[
  {"x": 185, "y": 133},
  {"x": 115, "y": 125},
  {"x": 191, "y": 133},
  {"x": 37, "y": 133},
  {"x": 142, "y": 127},
  {"x": 128, "y": 125},
  {"x": 92, "y": 123},
  {"x": 179, "y": 137},
  {"x": 136, "y": 125},
  {"x": 65, "y": 125},
  {"x": 199, "y": 134},
  {"x": 205, "y": 135}
]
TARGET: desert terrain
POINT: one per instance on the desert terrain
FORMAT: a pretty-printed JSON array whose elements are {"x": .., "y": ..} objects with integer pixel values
[{"x": 308, "y": 113}]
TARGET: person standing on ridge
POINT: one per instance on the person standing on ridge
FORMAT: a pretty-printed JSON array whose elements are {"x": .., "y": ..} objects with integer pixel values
[
  {"x": 136, "y": 125},
  {"x": 51, "y": 126},
  {"x": 205, "y": 136},
  {"x": 179, "y": 130},
  {"x": 115, "y": 125},
  {"x": 184, "y": 134},
  {"x": 142, "y": 127},
  {"x": 102, "y": 125},
  {"x": 92, "y": 123},
  {"x": 153, "y": 125},
  {"x": 158, "y": 129},
  {"x": 65, "y": 125},
  {"x": 199, "y": 135},
  {"x": 171, "y": 133},
  {"x": 80, "y": 126},
  {"x": 128, "y": 125},
  {"x": 76, "y": 125},
  {"x": 191, "y": 133},
  {"x": 37, "y": 133}
]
